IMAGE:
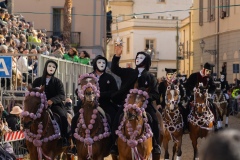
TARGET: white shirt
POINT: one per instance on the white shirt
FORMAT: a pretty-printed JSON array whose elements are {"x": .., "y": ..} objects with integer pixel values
[
  {"x": 140, "y": 71},
  {"x": 22, "y": 64}
]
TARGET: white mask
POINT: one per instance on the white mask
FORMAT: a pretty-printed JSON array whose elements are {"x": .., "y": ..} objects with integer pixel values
[
  {"x": 183, "y": 78},
  {"x": 222, "y": 77},
  {"x": 139, "y": 59},
  {"x": 169, "y": 76},
  {"x": 207, "y": 72},
  {"x": 51, "y": 68},
  {"x": 101, "y": 64}
]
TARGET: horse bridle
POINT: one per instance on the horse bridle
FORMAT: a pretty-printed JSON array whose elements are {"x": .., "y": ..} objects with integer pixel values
[{"x": 172, "y": 101}]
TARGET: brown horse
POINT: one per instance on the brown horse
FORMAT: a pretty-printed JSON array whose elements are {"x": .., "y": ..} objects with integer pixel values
[
  {"x": 200, "y": 118},
  {"x": 173, "y": 122},
  {"x": 41, "y": 132},
  {"x": 92, "y": 132},
  {"x": 134, "y": 133},
  {"x": 222, "y": 105}
]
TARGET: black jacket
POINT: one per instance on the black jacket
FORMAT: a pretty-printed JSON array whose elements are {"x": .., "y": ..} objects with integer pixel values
[
  {"x": 128, "y": 77},
  {"x": 108, "y": 86},
  {"x": 13, "y": 122},
  {"x": 196, "y": 78},
  {"x": 54, "y": 90}
]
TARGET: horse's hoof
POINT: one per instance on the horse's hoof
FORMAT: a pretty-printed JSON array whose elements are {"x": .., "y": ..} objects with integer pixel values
[{"x": 226, "y": 125}]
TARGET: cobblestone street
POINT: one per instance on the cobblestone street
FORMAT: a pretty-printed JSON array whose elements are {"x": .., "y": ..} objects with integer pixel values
[{"x": 187, "y": 150}]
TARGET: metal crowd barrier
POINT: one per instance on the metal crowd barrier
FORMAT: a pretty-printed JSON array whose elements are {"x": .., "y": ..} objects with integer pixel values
[{"x": 68, "y": 72}]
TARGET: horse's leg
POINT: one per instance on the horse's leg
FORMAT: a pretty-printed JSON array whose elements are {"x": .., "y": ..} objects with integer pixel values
[
  {"x": 195, "y": 147},
  {"x": 165, "y": 146},
  {"x": 179, "y": 149},
  {"x": 174, "y": 150},
  {"x": 227, "y": 114}
]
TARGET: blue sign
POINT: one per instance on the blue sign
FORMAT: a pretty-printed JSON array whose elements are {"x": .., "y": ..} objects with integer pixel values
[
  {"x": 235, "y": 68},
  {"x": 5, "y": 66}
]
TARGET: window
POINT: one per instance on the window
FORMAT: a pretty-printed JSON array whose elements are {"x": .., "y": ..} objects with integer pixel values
[
  {"x": 149, "y": 44},
  {"x": 224, "y": 8},
  {"x": 128, "y": 45},
  {"x": 174, "y": 17},
  {"x": 145, "y": 17},
  {"x": 200, "y": 12},
  {"x": 160, "y": 17},
  {"x": 161, "y": 1},
  {"x": 211, "y": 10},
  {"x": 57, "y": 21}
]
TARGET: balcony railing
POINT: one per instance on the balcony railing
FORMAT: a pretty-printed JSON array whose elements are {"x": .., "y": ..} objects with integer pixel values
[{"x": 75, "y": 39}]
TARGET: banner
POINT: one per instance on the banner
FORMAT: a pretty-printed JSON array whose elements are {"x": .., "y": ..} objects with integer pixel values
[{"x": 13, "y": 136}]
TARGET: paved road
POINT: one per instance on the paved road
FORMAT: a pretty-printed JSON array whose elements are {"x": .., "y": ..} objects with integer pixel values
[{"x": 187, "y": 150}]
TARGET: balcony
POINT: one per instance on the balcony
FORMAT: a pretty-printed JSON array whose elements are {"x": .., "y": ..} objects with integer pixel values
[{"x": 75, "y": 39}]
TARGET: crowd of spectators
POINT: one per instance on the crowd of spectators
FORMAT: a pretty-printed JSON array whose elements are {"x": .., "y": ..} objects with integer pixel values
[{"x": 17, "y": 36}]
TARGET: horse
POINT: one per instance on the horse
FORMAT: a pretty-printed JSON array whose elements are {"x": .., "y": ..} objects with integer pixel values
[
  {"x": 222, "y": 105},
  {"x": 172, "y": 122},
  {"x": 200, "y": 118},
  {"x": 92, "y": 134},
  {"x": 134, "y": 133},
  {"x": 42, "y": 133}
]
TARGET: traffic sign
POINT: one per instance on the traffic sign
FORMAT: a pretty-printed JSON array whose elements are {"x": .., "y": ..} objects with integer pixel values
[{"x": 5, "y": 66}]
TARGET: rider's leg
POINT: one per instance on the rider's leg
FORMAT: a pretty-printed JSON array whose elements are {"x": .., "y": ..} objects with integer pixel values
[
  {"x": 185, "y": 112},
  {"x": 115, "y": 124},
  {"x": 63, "y": 116},
  {"x": 155, "y": 129}
]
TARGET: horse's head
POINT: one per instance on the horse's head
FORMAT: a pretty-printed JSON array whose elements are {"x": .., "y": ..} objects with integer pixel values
[
  {"x": 200, "y": 100},
  {"x": 172, "y": 97},
  {"x": 88, "y": 88},
  {"x": 135, "y": 103},
  {"x": 34, "y": 103}
]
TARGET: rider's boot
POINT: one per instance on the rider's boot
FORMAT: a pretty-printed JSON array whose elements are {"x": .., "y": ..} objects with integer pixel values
[
  {"x": 156, "y": 147},
  {"x": 65, "y": 142},
  {"x": 156, "y": 156}
]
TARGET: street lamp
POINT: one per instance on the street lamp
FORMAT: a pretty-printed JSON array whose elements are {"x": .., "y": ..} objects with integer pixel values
[{"x": 202, "y": 45}]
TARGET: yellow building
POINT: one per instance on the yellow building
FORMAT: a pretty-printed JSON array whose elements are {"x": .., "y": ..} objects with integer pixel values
[{"x": 216, "y": 35}]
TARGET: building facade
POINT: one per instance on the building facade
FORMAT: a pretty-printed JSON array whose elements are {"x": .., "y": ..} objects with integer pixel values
[
  {"x": 148, "y": 26},
  {"x": 216, "y": 36},
  {"x": 88, "y": 18}
]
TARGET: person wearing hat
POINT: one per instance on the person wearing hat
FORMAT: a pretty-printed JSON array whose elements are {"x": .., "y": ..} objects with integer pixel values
[
  {"x": 214, "y": 76},
  {"x": 140, "y": 77},
  {"x": 13, "y": 119},
  {"x": 162, "y": 87},
  {"x": 54, "y": 91},
  {"x": 204, "y": 77}
]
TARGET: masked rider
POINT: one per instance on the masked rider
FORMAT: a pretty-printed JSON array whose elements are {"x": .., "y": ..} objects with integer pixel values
[{"x": 54, "y": 91}]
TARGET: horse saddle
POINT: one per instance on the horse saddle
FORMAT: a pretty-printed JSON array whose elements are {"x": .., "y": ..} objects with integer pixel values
[
  {"x": 56, "y": 117},
  {"x": 104, "y": 115}
]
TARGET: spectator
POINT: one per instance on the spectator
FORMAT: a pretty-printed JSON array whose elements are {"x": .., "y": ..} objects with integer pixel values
[
  {"x": 3, "y": 112},
  {"x": 69, "y": 107},
  {"x": 72, "y": 55},
  {"x": 13, "y": 119},
  {"x": 3, "y": 49},
  {"x": 58, "y": 52},
  {"x": 223, "y": 145},
  {"x": 237, "y": 82},
  {"x": 84, "y": 58},
  {"x": 22, "y": 65},
  {"x": 2, "y": 40}
]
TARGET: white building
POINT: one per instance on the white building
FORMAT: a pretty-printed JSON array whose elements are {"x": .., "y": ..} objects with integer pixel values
[{"x": 150, "y": 24}]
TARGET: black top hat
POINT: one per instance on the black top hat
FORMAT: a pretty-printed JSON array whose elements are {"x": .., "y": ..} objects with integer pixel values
[
  {"x": 208, "y": 66},
  {"x": 170, "y": 70}
]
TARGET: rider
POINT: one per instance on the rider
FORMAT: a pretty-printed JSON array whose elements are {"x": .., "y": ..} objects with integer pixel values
[
  {"x": 172, "y": 78},
  {"x": 55, "y": 95},
  {"x": 203, "y": 76},
  {"x": 162, "y": 87},
  {"x": 107, "y": 84},
  {"x": 144, "y": 79}
]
